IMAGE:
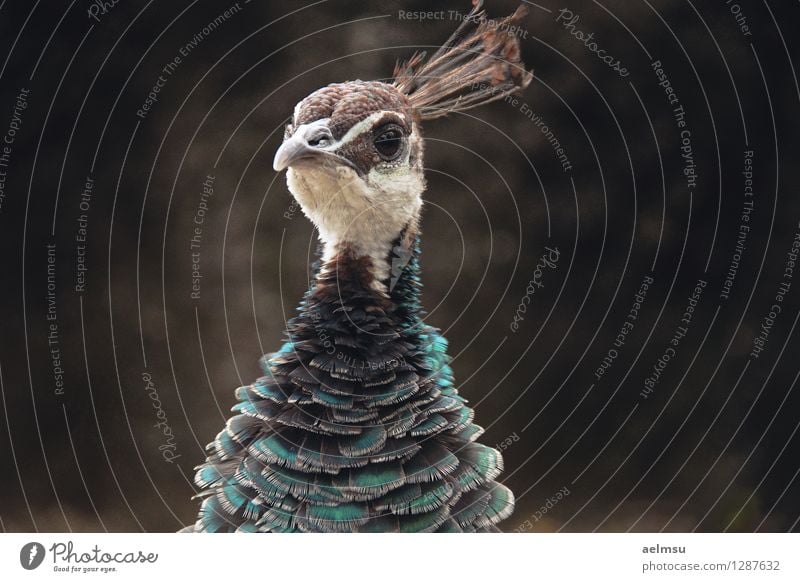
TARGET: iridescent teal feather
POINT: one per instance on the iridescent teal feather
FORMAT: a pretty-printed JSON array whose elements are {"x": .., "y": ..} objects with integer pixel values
[{"x": 368, "y": 435}]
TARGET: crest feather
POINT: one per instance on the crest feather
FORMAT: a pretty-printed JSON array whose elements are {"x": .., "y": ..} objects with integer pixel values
[{"x": 478, "y": 64}]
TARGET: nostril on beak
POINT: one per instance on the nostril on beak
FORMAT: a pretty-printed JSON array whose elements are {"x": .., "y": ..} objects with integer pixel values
[
  {"x": 290, "y": 151},
  {"x": 320, "y": 139},
  {"x": 311, "y": 142},
  {"x": 318, "y": 142}
]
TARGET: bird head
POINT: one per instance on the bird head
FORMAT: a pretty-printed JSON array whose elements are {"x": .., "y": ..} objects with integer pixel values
[
  {"x": 354, "y": 158},
  {"x": 354, "y": 151}
]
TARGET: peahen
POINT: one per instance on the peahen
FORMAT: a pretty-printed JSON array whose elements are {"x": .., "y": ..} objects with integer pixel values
[{"x": 356, "y": 425}]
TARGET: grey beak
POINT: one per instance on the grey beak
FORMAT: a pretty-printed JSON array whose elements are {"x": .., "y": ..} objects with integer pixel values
[
  {"x": 298, "y": 146},
  {"x": 290, "y": 151}
]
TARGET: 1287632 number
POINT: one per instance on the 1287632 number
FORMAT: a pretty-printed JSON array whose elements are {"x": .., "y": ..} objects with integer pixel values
[{"x": 756, "y": 565}]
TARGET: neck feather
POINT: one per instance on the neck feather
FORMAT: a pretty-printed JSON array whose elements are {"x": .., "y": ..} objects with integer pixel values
[
  {"x": 394, "y": 280},
  {"x": 385, "y": 259}
]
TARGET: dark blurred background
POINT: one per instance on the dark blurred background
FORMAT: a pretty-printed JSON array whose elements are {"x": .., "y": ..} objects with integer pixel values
[{"x": 114, "y": 376}]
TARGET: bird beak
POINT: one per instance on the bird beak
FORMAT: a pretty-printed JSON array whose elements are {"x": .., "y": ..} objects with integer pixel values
[
  {"x": 298, "y": 148},
  {"x": 291, "y": 151}
]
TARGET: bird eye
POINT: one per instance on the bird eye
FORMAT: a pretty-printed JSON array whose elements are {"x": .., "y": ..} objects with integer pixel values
[{"x": 388, "y": 142}]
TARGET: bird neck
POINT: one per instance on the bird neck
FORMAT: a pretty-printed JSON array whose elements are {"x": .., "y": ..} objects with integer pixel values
[
  {"x": 391, "y": 281},
  {"x": 359, "y": 216},
  {"x": 382, "y": 260},
  {"x": 345, "y": 318}
]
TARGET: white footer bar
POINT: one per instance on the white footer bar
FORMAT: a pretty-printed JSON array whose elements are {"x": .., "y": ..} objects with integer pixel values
[{"x": 406, "y": 558}]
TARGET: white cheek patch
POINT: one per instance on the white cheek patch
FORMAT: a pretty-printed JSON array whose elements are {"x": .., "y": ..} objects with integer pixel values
[{"x": 365, "y": 213}]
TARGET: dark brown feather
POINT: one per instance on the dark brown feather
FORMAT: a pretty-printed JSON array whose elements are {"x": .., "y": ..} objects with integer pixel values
[{"x": 478, "y": 64}]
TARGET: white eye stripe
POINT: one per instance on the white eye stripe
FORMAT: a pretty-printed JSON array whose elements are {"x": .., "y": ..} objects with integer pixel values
[{"x": 362, "y": 127}]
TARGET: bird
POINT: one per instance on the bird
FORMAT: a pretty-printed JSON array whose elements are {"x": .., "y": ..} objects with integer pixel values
[{"x": 357, "y": 424}]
